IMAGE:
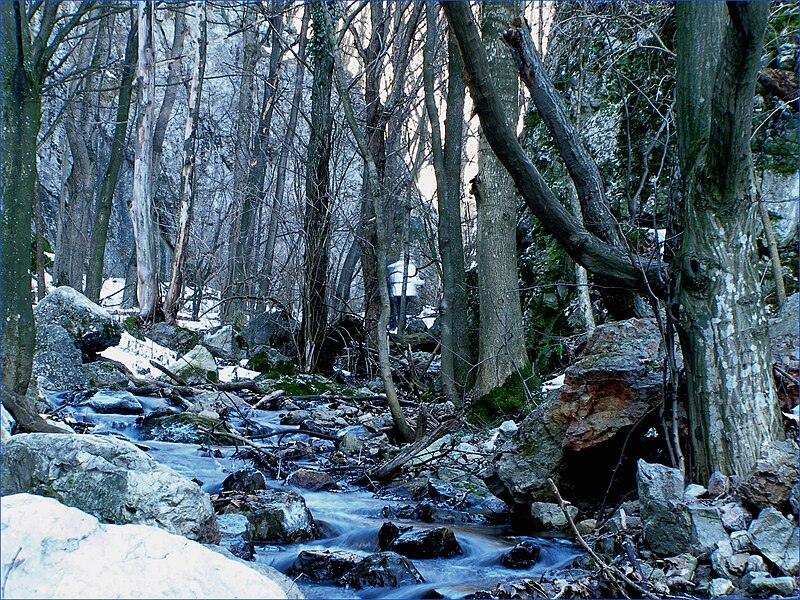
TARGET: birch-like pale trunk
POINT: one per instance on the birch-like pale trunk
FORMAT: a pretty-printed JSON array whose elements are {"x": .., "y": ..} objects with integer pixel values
[
  {"x": 188, "y": 190},
  {"x": 142, "y": 217}
]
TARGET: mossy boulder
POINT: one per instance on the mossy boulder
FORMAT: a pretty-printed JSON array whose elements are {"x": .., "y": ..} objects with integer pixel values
[
  {"x": 196, "y": 367},
  {"x": 185, "y": 428}
]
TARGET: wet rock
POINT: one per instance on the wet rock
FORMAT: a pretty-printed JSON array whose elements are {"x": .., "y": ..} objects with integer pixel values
[
  {"x": 778, "y": 539},
  {"x": 765, "y": 586},
  {"x": 311, "y": 480},
  {"x": 388, "y": 533},
  {"x": 772, "y": 478},
  {"x": 119, "y": 403},
  {"x": 324, "y": 566},
  {"x": 522, "y": 556},
  {"x": 279, "y": 517},
  {"x": 547, "y": 516},
  {"x": 384, "y": 569},
  {"x": 416, "y": 489},
  {"x": 429, "y": 543},
  {"x": 196, "y": 367},
  {"x": 610, "y": 389},
  {"x": 61, "y": 552},
  {"x": 248, "y": 480},
  {"x": 720, "y": 587},
  {"x": 184, "y": 428},
  {"x": 110, "y": 479},
  {"x": 225, "y": 343},
  {"x": 294, "y": 417},
  {"x": 237, "y": 535},
  {"x": 90, "y": 326}
]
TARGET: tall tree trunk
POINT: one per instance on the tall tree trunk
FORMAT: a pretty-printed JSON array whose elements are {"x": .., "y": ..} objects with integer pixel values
[
  {"x": 242, "y": 198},
  {"x": 732, "y": 403},
  {"x": 447, "y": 168},
  {"x": 21, "y": 117},
  {"x": 144, "y": 230},
  {"x": 105, "y": 199},
  {"x": 188, "y": 190},
  {"x": 341, "y": 299},
  {"x": 283, "y": 160},
  {"x": 317, "y": 216},
  {"x": 38, "y": 221},
  {"x": 501, "y": 350}
]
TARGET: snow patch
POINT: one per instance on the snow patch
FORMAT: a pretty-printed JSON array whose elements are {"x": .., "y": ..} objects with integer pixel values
[
  {"x": 553, "y": 384},
  {"x": 136, "y": 354},
  {"x": 235, "y": 373}
]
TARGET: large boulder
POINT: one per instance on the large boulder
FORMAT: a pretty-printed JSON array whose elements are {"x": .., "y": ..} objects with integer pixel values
[
  {"x": 616, "y": 385},
  {"x": 225, "y": 343},
  {"x": 52, "y": 551},
  {"x": 108, "y": 478},
  {"x": 778, "y": 539},
  {"x": 672, "y": 522},
  {"x": 771, "y": 480},
  {"x": 384, "y": 569},
  {"x": 274, "y": 329},
  {"x": 57, "y": 361},
  {"x": 279, "y": 517},
  {"x": 785, "y": 348},
  {"x": 90, "y": 326},
  {"x": 196, "y": 367},
  {"x": 324, "y": 566},
  {"x": 427, "y": 543}
]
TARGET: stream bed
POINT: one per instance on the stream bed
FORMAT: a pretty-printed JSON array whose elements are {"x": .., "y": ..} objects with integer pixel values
[{"x": 349, "y": 518}]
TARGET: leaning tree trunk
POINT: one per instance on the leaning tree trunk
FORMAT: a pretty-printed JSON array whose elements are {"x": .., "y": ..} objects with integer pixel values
[
  {"x": 317, "y": 218},
  {"x": 102, "y": 216},
  {"x": 144, "y": 231},
  {"x": 502, "y": 350},
  {"x": 21, "y": 117},
  {"x": 188, "y": 191},
  {"x": 732, "y": 403}
]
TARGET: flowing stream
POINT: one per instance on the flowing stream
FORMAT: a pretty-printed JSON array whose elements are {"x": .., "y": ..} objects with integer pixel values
[{"x": 349, "y": 519}]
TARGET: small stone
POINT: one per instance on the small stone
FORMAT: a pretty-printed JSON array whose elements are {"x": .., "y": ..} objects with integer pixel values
[
  {"x": 763, "y": 587},
  {"x": 735, "y": 517},
  {"x": 694, "y": 491},
  {"x": 350, "y": 443},
  {"x": 294, "y": 417},
  {"x": 718, "y": 485},
  {"x": 683, "y": 566},
  {"x": 548, "y": 516},
  {"x": 507, "y": 428},
  {"x": 586, "y": 526},
  {"x": 246, "y": 480},
  {"x": 755, "y": 564},
  {"x": 522, "y": 556},
  {"x": 311, "y": 480},
  {"x": 720, "y": 587},
  {"x": 740, "y": 542}
]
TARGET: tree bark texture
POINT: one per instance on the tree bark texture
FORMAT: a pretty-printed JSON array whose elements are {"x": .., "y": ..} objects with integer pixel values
[
  {"x": 21, "y": 118},
  {"x": 188, "y": 190},
  {"x": 142, "y": 214},
  {"x": 501, "y": 350},
  {"x": 317, "y": 216},
  {"x": 733, "y": 408},
  {"x": 102, "y": 215}
]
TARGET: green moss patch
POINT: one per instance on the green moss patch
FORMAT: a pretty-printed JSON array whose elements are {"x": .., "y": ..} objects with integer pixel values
[
  {"x": 185, "y": 428},
  {"x": 505, "y": 402}
]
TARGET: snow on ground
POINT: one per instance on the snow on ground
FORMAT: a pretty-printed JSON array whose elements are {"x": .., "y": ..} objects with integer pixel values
[
  {"x": 136, "y": 354},
  {"x": 234, "y": 373},
  {"x": 553, "y": 384},
  {"x": 111, "y": 292}
]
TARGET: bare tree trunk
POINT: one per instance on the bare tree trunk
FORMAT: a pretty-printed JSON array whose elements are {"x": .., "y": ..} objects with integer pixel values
[
  {"x": 242, "y": 199},
  {"x": 41, "y": 285},
  {"x": 774, "y": 255},
  {"x": 317, "y": 217},
  {"x": 144, "y": 231},
  {"x": 732, "y": 405},
  {"x": 502, "y": 351},
  {"x": 102, "y": 217},
  {"x": 346, "y": 276},
  {"x": 283, "y": 160},
  {"x": 188, "y": 190}
]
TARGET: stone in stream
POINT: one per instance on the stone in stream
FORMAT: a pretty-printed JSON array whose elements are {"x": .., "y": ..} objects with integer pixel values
[
  {"x": 439, "y": 542},
  {"x": 279, "y": 517},
  {"x": 383, "y": 569},
  {"x": 247, "y": 480},
  {"x": 196, "y": 367},
  {"x": 310, "y": 479},
  {"x": 522, "y": 556},
  {"x": 118, "y": 403},
  {"x": 108, "y": 478},
  {"x": 388, "y": 533},
  {"x": 324, "y": 566},
  {"x": 53, "y": 551},
  {"x": 294, "y": 417},
  {"x": 90, "y": 326},
  {"x": 237, "y": 535}
]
